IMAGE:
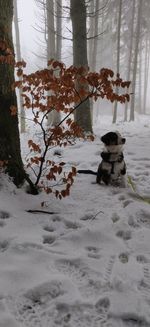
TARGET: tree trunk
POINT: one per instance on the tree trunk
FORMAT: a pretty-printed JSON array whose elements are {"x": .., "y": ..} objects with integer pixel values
[
  {"x": 58, "y": 29},
  {"x": 146, "y": 72},
  {"x": 137, "y": 35},
  {"x": 18, "y": 58},
  {"x": 118, "y": 57},
  {"x": 9, "y": 132},
  {"x": 78, "y": 16},
  {"x": 91, "y": 34},
  {"x": 54, "y": 116},
  {"x": 130, "y": 56}
]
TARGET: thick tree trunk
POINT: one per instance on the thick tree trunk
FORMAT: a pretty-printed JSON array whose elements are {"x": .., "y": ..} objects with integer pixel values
[
  {"x": 78, "y": 16},
  {"x": 9, "y": 132}
]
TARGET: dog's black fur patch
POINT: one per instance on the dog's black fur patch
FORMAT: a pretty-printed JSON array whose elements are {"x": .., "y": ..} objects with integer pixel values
[{"x": 112, "y": 167}]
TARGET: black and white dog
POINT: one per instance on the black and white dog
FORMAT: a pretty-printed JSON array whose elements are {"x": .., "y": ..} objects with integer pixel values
[{"x": 112, "y": 169}]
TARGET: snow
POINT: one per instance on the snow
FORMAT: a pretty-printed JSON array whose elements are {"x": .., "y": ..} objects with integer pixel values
[{"x": 88, "y": 264}]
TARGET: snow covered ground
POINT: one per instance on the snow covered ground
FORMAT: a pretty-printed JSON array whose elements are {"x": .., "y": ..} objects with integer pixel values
[{"x": 87, "y": 265}]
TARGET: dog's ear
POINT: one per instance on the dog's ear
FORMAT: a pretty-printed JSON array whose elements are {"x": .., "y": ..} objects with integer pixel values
[
  {"x": 110, "y": 138},
  {"x": 104, "y": 138},
  {"x": 123, "y": 140}
]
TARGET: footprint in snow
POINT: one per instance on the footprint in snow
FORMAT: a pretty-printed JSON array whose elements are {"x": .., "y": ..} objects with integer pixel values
[
  {"x": 35, "y": 307},
  {"x": 48, "y": 239},
  {"x": 4, "y": 215},
  {"x": 115, "y": 217},
  {"x": 2, "y": 223},
  {"x": 93, "y": 252},
  {"x": 48, "y": 228},
  {"x": 71, "y": 224},
  {"x": 4, "y": 245},
  {"x": 87, "y": 217},
  {"x": 102, "y": 308},
  {"x": 142, "y": 259},
  {"x": 102, "y": 305},
  {"x": 124, "y": 257},
  {"x": 125, "y": 235}
]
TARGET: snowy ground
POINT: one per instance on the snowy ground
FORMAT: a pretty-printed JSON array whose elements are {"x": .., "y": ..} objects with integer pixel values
[{"x": 87, "y": 265}]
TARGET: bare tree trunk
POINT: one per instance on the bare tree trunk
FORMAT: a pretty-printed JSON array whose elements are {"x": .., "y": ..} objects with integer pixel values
[
  {"x": 9, "y": 132},
  {"x": 18, "y": 58},
  {"x": 91, "y": 34},
  {"x": 146, "y": 72},
  {"x": 137, "y": 34},
  {"x": 78, "y": 16},
  {"x": 58, "y": 29},
  {"x": 54, "y": 116},
  {"x": 130, "y": 56},
  {"x": 118, "y": 57},
  {"x": 140, "y": 79}
]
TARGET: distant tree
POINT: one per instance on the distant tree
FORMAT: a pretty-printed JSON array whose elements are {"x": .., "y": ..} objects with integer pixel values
[
  {"x": 78, "y": 17},
  {"x": 129, "y": 52},
  {"x": 51, "y": 28},
  {"x": 18, "y": 58},
  {"x": 118, "y": 56},
  {"x": 136, "y": 51}
]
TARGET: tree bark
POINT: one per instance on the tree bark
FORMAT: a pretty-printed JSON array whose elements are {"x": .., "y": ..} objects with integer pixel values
[
  {"x": 18, "y": 58},
  {"x": 9, "y": 132},
  {"x": 78, "y": 16},
  {"x": 52, "y": 46},
  {"x": 130, "y": 56},
  {"x": 118, "y": 57},
  {"x": 136, "y": 50}
]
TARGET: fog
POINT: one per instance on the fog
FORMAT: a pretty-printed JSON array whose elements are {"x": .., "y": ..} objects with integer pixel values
[{"x": 33, "y": 47}]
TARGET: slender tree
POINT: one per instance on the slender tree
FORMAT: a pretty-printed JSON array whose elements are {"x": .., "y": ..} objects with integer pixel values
[
  {"x": 136, "y": 51},
  {"x": 129, "y": 54},
  {"x": 118, "y": 56},
  {"x": 18, "y": 58}
]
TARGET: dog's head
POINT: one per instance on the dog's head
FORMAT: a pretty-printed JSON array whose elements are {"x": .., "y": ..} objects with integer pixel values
[{"x": 113, "y": 141}]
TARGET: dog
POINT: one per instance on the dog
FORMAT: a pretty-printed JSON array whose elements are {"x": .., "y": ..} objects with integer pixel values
[{"x": 112, "y": 169}]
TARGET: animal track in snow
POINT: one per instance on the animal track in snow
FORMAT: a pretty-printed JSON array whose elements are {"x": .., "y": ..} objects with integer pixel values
[
  {"x": 48, "y": 228},
  {"x": 87, "y": 217},
  {"x": 35, "y": 307},
  {"x": 124, "y": 257},
  {"x": 102, "y": 307},
  {"x": 2, "y": 223},
  {"x": 125, "y": 235},
  {"x": 115, "y": 217},
  {"x": 71, "y": 225},
  {"x": 93, "y": 252},
  {"x": 4, "y": 245},
  {"x": 126, "y": 203},
  {"x": 4, "y": 215},
  {"x": 48, "y": 239}
]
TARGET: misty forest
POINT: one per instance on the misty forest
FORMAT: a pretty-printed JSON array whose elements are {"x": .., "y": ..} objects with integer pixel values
[{"x": 74, "y": 163}]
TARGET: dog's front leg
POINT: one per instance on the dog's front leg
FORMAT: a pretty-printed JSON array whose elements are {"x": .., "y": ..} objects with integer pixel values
[{"x": 99, "y": 175}]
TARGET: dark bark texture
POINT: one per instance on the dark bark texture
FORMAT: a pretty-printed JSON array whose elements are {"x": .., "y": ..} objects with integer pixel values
[
  {"x": 78, "y": 17},
  {"x": 9, "y": 132}
]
